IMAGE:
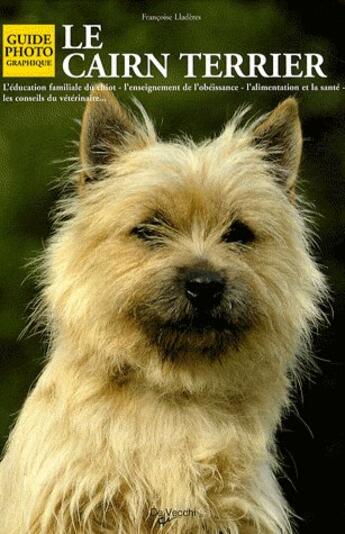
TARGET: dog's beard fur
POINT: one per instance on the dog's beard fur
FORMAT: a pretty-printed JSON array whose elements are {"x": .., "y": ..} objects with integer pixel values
[
  {"x": 199, "y": 389},
  {"x": 172, "y": 324}
]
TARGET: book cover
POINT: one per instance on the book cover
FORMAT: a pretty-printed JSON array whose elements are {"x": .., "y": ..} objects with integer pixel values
[{"x": 172, "y": 251}]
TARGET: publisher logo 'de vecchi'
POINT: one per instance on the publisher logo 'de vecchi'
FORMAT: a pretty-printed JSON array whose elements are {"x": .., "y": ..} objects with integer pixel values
[{"x": 28, "y": 50}]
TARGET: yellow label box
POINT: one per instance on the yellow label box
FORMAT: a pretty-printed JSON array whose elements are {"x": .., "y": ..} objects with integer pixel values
[{"x": 28, "y": 50}]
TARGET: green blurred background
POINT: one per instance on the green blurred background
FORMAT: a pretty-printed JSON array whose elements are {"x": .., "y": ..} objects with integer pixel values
[{"x": 34, "y": 136}]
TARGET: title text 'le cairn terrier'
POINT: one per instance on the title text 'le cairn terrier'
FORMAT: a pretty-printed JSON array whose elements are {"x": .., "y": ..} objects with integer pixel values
[{"x": 179, "y": 292}]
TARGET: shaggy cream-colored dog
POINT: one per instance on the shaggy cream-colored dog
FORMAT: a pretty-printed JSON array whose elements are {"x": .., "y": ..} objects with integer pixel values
[{"x": 179, "y": 292}]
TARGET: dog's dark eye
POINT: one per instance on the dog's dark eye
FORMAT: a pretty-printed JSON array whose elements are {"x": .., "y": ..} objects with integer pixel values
[
  {"x": 149, "y": 230},
  {"x": 239, "y": 232}
]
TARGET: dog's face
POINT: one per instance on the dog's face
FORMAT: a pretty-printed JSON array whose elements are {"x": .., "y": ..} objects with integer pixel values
[
  {"x": 191, "y": 253},
  {"x": 191, "y": 288}
]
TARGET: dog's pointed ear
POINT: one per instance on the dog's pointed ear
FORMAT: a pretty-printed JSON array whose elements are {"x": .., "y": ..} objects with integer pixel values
[
  {"x": 280, "y": 136},
  {"x": 107, "y": 128}
]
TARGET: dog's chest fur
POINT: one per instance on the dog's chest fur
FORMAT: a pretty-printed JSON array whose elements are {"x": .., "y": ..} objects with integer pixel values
[{"x": 161, "y": 453}]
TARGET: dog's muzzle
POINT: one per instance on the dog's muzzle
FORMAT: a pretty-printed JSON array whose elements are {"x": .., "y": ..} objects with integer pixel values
[{"x": 198, "y": 311}]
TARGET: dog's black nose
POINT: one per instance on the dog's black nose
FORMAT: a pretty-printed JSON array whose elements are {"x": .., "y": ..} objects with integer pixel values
[{"x": 204, "y": 289}]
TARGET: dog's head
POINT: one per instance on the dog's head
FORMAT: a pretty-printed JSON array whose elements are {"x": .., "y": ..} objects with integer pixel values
[{"x": 181, "y": 253}]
